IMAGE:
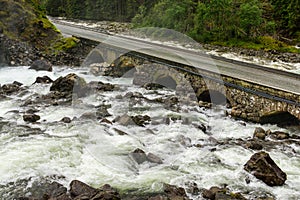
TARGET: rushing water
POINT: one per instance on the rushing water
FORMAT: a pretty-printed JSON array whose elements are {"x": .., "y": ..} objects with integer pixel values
[{"x": 94, "y": 153}]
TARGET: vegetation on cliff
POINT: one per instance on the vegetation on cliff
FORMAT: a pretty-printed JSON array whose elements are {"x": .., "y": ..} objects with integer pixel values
[
  {"x": 258, "y": 24},
  {"x": 26, "y": 21}
]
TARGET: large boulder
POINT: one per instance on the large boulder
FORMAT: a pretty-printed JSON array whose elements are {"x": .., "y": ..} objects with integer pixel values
[
  {"x": 41, "y": 65},
  {"x": 80, "y": 190},
  {"x": 264, "y": 168},
  {"x": 70, "y": 84}
]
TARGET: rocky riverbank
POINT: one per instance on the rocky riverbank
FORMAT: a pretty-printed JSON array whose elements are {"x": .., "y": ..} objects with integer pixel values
[
  {"x": 72, "y": 89},
  {"x": 271, "y": 55},
  {"x": 18, "y": 53}
]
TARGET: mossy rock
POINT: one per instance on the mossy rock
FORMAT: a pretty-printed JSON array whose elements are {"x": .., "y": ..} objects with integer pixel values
[
  {"x": 65, "y": 44},
  {"x": 25, "y": 20}
]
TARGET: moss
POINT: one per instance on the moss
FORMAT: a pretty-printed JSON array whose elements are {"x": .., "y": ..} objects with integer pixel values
[{"x": 65, "y": 44}]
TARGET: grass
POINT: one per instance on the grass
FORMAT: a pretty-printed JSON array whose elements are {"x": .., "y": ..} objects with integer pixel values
[{"x": 265, "y": 43}]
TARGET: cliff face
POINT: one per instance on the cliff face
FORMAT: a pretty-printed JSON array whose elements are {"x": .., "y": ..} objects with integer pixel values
[
  {"x": 24, "y": 20},
  {"x": 27, "y": 35}
]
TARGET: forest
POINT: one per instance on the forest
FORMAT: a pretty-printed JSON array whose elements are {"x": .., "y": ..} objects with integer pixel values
[{"x": 230, "y": 22}]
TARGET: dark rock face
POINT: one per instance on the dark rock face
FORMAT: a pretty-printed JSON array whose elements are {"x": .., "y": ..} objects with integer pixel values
[
  {"x": 31, "y": 118},
  {"x": 141, "y": 120},
  {"x": 140, "y": 156},
  {"x": 66, "y": 120},
  {"x": 80, "y": 190},
  {"x": 43, "y": 80},
  {"x": 264, "y": 168},
  {"x": 70, "y": 84},
  {"x": 41, "y": 65},
  {"x": 9, "y": 89}
]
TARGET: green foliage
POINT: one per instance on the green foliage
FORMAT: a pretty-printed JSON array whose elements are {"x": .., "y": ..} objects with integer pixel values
[
  {"x": 231, "y": 22},
  {"x": 65, "y": 44},
  {"x": 113, "y": 10}
]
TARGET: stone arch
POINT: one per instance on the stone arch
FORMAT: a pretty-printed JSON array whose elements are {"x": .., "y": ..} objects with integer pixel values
[
  {"x": 95, "y": 56},
  {"x": 166, "y": 80},
  {"x": 213, "y": 96},
  {"x": 281, "y": 118}
]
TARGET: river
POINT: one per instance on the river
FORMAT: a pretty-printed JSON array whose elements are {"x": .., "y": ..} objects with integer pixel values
[{"x": 96, "y": 154}]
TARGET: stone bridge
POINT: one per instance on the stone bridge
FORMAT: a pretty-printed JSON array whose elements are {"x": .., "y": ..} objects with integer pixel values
[{"x": 249, "y": 101}]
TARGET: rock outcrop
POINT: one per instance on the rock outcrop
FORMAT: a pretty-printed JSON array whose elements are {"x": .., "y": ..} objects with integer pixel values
[
  {"x": 264, "y": 168},
  {"x": 41, "y": 65},
  {"x": 70, "y": 84}
]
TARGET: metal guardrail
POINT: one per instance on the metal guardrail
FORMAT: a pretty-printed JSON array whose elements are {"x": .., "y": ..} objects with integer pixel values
[{"x": 165, "y": 62}]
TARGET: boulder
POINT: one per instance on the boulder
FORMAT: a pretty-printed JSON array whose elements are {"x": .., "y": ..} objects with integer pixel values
[
  {"x": 174, "y": 192},
  {"x": 153, "y": 158},
  {"x": 102, "y": 111},
  {"x": 45, "y": 190},
  {"x": 139, "y": 156},
  {"x": 41, "y": 65},
  {"x": 66, "y": 120},
  {"x": 264, "y": 168},
  {"x": 259, "y": 133},
  {"x": 278, "y": 135},
  {"x": 141, "y": 120},
  {"x": 211, "y": 193},
  {"x": 43, "y": 80},
  {"x": 9, "y": 89},
  {"x": 78, "y": 188},
  {"x": 70, "y": 84},
  {"x": 31, "y": 118}
]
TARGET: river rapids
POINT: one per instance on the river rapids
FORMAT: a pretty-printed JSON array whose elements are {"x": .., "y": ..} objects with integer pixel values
[{"x": 97, "y": 154}]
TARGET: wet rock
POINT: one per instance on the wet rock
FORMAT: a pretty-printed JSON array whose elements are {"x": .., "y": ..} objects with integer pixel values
[
  {"x": 124, "y": 120},
  {"x": 254, "y": 145},
  {"x": 45, "y": 190},
  {"x": 153, "y": 86},
  {"x": 121, "y": 66},
  {"x": 9, "y": 89},
  {"x": 127, "y": 120},
  {"x": 211, "y": 193},
  {"x": 264, "y": 168},
  {"x": 153, "y": 158},
  {"x": 106, "y": 192},
  {"x": 70, "y": 84},
  {"x": 66, "y": 120},
  {"x": 278, "y": 135},
  {"x": 193, "y": 188},
  {"x": 43, "y": 80},
  {"x": 102, "y": 111},
  {"x": 88, "y": 115},
  {"x": 141, "y": 120},
  {"x": 41, "y": 65},
  {"x": 98, "y": 69},
  {"x": 120, "y": 132},
  {"x": 17, "y": 83},
  {"x": 259, "y": 133},
  {"x": 139, "y": 156},
  {"x": 105, "y": 121},
  {"x": 99, "y": 86},
  {"x": 31, "y": 111},
  {"x": 31, "y": 118},
  {"x": 174, "y": 192},
  {"x": 78, "y": 188}
]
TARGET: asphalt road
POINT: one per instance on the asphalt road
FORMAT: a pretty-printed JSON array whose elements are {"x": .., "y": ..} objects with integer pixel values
[{"x": 256, "y": 74}]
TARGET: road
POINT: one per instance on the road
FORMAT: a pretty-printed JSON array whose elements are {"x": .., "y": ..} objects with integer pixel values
[{"x": 268, "y": 77}]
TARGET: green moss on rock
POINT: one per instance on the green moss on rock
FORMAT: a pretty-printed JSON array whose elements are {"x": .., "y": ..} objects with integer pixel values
[{"x": 64, "y": 44}]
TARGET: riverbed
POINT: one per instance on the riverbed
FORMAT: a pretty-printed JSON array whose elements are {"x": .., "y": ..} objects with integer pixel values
[{"x": 96, "y": 153}]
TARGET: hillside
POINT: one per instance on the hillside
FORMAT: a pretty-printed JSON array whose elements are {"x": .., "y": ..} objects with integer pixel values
[{"x": 256, "y": 24}]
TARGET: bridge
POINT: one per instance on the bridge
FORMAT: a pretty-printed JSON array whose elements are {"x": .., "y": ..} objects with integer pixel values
[{"x": 255, "y": 93}]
